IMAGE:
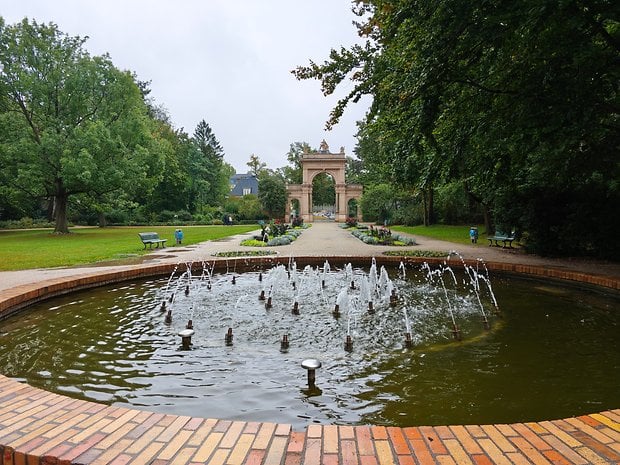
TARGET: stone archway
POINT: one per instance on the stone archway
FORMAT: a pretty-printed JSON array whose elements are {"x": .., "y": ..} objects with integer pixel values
[{"x": 316, "y": 163}]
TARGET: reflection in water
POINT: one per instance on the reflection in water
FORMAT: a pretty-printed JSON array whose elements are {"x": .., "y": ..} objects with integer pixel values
[{"x": 552, "y": 352}]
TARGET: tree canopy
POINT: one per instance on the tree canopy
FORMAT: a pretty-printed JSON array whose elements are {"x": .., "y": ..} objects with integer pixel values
[
  {"x": 71, "y": 123},
  {"x": 75, "y": 128},
  {"x": 517, "y": 101}
]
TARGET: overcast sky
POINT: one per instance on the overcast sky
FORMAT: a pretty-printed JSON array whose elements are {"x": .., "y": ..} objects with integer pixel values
[{"x": 225, "y": 61}]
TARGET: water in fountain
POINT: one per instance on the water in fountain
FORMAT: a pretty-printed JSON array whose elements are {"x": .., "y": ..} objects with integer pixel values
[{"x": 111, "y": 345}]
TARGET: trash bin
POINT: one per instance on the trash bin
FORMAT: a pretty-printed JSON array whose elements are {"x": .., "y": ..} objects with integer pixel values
[
  {"x": 178, "y": 235},
  {"x": 473, "y": 234}
]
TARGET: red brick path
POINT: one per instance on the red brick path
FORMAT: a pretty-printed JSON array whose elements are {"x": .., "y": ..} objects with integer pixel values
[{"x": 37, "y": 427}]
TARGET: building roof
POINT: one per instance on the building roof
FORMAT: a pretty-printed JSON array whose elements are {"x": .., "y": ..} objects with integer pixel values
[{"x": 242, "y": 184}]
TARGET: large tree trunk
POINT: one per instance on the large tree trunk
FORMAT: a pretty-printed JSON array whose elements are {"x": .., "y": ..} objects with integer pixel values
[
  {"x": 60, "y": 209},
  {"x": 429, "y": 206}
]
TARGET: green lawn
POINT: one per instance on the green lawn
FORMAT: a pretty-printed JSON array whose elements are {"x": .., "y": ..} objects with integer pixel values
[
  {"x": 21, "y": 250},
  {"x": 457, "y": 234}
]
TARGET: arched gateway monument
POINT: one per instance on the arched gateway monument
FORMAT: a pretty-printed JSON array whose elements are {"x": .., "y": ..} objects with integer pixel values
[{"x": 317, "y": 163}]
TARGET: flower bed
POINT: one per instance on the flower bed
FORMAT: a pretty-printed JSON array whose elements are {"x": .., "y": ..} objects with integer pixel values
[
  {"x": 245, "y": 253},
  {"x": 416, "y": 253},
  {"x": 274, "y": 235},
  {"x": 381, "y": 236}
]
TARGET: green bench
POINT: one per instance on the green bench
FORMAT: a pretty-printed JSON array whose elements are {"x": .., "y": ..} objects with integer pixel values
[
  {"x": 151, "y": 238},
  {"x": 505, "y": 239}
]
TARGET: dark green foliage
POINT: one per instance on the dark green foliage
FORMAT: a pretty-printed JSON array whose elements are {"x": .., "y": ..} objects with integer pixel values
[
  {"x": 81, "y": 139},
  {"x": 293, "y": 172},
  {"x": 515, "y": 101},
  {"x": 272, "y": 193},
  {"x": 71, "y": 123},
  {"x": 323, "y": 190}
]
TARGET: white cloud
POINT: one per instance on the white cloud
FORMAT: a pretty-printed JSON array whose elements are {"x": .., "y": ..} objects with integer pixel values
[{"x": 225, "y": 61}]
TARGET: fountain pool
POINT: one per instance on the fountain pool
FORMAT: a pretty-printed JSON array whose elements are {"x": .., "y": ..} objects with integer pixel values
[{"x": 551, "y": 351}]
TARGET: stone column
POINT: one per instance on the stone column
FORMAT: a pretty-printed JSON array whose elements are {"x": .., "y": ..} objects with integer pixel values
[
  {"x": 305, "y": 203},
  {"x": 341, "y": 202}
]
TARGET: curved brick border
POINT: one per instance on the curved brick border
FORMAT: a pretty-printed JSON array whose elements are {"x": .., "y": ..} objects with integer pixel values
[{"x": 38, "y": 427}]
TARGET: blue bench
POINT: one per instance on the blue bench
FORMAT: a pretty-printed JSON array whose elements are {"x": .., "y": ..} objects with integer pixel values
[
  {"x": 505, "y": 239},
  {"x": 151, "y": 238}
]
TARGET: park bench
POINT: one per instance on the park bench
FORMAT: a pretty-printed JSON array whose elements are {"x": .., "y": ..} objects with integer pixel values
[
  {"x": 505, "y": 239},
  {"x": 151, "y": 238}
]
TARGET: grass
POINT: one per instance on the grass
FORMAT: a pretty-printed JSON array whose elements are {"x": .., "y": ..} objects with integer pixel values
[
  {"x": 28, "y": 249},
  {"x": 457, "y": 234}
]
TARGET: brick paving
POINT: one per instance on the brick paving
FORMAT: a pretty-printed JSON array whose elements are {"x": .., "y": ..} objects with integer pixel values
[{"x": 38, "y": 427}]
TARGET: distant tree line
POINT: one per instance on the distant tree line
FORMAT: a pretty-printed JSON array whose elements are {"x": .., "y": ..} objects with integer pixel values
[
  {"x": 503, "y": 111},
  {"x": 81, "y": 139}
]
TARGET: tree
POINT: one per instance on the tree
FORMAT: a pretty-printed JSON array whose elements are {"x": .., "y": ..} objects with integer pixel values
[
  {"x": 293, "y": 172},
  {"x": 378, "y": 202},
  {"x": 206, "y": 167},
  {"x": 173, "y": 190},
  {"x": 73, "y": 123},
  {"x": 355, "y": 171},
  {"x": 272, "y": 192},
  {"x": 255, "y": 165},
  {"x": 516, "y": 101},
  {"x": 250, "y": 208}
]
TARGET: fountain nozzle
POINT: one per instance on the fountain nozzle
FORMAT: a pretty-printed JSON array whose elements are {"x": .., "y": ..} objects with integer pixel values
[
  {"x": 311, "y": 364},
  {"x": 336, "y": 312},
  {"x": 284, "y": 344},
  {"x": 234, "y": 280},
  {"x": 268, "y": 304},
  {"x": 352, "y": 284},
  {"x": 163, "y": 306},
  {"x": 168, "y": 318},
  {"x": 228, "y": 338},
  {"x": 190, "y": 324},
  {"x": 371, "y": 308},
  {"x": 456, "y": 332},
  {"x": 186, "y": 338},
  {"x": 408, "y": 341},
  {"x": 296, "y": 308},
  {"x": 187, "y": 290},
  {"x": 260, "y": 277},
  {"x": 348, "y": 343},
  {"x": 393, "y": 299},
  {"x": 262, "y": 295}
]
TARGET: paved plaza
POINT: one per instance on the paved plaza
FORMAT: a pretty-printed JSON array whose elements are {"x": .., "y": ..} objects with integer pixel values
[{"x": 38, "y": 427}]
